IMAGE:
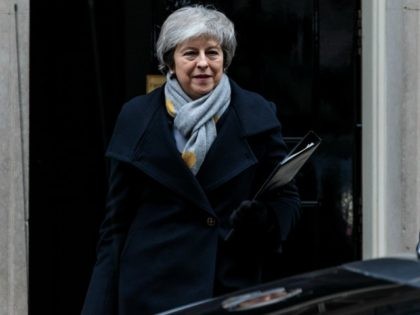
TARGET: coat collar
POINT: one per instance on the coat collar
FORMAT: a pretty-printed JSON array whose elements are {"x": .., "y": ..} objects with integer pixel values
[{"x": 143, "y": 138}]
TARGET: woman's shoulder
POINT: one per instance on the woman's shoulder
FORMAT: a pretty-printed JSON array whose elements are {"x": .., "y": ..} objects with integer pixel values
[
  {"x": 254, "y": 110},
  {"x": 249, "y": 97},
  {"x": 132, "y": 121},
  {"x": 141, "y": 104}
]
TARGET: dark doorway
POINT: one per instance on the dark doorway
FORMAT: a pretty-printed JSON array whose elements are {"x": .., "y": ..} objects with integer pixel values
[{"x": 89, "y": 57}]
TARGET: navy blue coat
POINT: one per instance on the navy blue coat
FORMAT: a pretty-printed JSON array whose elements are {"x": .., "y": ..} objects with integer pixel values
[{"x": 162, "y": 242}]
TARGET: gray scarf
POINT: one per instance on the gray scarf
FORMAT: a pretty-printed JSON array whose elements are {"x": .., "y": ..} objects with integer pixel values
[{"x": 195, "y": 120}]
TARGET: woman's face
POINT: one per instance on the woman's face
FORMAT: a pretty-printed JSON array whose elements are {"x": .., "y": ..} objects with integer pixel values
[{"x": 198, "y": 65}]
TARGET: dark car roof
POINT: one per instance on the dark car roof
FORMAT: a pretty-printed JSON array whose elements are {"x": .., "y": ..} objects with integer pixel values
[
  {"x": 400, "y": 270},
  {"x": 375, "y": 286}
]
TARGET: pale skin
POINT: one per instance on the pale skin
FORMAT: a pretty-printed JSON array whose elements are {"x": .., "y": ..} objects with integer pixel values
[{"x": 198, "y": 65}]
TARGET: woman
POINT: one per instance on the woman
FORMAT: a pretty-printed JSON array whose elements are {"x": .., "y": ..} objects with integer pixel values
[{"x": 185, "y": 161}]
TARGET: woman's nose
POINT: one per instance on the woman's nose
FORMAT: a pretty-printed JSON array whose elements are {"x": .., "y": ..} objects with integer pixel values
[{"x": 202, "y": 61}]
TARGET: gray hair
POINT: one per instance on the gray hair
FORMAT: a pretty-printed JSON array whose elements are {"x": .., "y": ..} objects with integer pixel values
[{"x": 192, "y": 22}]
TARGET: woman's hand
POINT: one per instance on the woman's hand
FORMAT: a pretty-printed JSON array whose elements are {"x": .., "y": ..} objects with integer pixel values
[{"x": 252, "y": 218}]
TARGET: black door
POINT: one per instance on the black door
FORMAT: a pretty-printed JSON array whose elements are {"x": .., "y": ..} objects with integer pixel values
[
  {"x": 304, "y": 56},
  {"x": 88, "y": 57}
]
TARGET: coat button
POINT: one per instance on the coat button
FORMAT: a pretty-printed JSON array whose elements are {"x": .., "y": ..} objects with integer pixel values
[{"x": 211, "y": 221}]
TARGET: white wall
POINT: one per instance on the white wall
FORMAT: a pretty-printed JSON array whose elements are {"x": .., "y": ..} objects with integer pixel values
[
  {"x": 407, "y": 15},
  {"x": 14, "y": 88},
  {"x": 391, "y": 126}
]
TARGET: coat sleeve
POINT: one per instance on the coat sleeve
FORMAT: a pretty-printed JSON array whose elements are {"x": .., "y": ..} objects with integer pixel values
[
  {"x": 283, "y": 201},
  {"x": 101, "y": 296}
]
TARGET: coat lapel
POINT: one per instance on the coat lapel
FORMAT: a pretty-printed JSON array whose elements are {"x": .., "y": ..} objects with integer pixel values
[
  {"x": 248, "y": 114},
  {"x": 229, "y": 155},
  {"x": 157, "y": 156}
]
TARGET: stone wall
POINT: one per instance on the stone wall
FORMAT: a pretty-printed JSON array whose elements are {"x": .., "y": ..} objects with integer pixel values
[
  {"x": 14, "y": 129},
  {"x": 403, "y": 121},
  {"x": 391, "y": 127},
  {"x": 410, "y": 125}
]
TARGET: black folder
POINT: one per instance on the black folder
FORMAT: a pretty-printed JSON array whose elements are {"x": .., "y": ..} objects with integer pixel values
[{"x": 287, "y": 168}]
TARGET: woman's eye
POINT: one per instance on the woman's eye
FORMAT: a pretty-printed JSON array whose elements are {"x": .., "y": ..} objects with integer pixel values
[
  {"x": 189, "y": 53},
  {"x": 213, "y": 54}
]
